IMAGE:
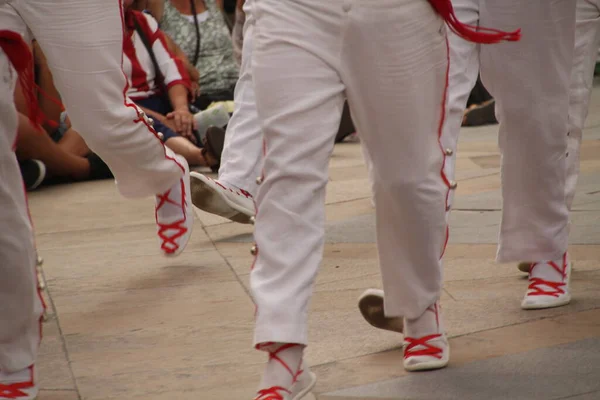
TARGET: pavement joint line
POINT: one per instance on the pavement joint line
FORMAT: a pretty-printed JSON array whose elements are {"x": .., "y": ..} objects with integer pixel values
[
  {"x": 226, "y": 261},
  {"x": 63, "y": 341},
  {"x": 462, "y": 335}
]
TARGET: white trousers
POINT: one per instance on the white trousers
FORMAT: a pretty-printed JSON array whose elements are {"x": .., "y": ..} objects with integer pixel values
[
  {"x": 82, "y": 40},
  {"x": 530, "y": 81},
  {"x": 390, "y": 58},
  {"x": 587, "y": 42},
  {"x": 241, "y": 161},
  {"x": 20, "y": 305},
  {"x": 83, "y": 43}
]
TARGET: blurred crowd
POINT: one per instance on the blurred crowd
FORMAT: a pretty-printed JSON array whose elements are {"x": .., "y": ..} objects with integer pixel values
[{"x": 181, "y": 59}]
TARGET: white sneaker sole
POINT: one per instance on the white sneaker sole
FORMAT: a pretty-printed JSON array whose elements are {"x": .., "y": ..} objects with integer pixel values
[
  {"x": 428, "y": 365},
  {"x": 553, "y": 302},
  {"x": 212, "y": 200},
  {"x": 313, "y": 381},
  {"x": 540, "y": 306},
  {"x": 370, "y": 305}
]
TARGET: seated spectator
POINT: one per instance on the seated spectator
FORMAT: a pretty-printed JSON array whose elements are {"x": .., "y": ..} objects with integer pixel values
[
  {"x": 481, "y": 107},
  {"x": 59, "y": 153},
  {"x": 217, "y": 60},
  {"x": 205, "y": 39},
  {"x": 163, "y": 91}
]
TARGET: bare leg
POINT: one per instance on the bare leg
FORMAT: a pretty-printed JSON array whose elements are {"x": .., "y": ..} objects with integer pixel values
[
  {"x": 73, "y": 143},
  {"x": 33, "y": 143},
  {"x": 188, "y": 150}
]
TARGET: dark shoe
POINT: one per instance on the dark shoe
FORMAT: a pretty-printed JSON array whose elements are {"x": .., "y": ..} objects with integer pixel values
[
  {"x": 98, "y": 169},
  {"x": 213, "y": 143},
  {"x": 33, "y": 173},
  {"x": 346, "y": 127},
  {"x": 481, "y": 114}
]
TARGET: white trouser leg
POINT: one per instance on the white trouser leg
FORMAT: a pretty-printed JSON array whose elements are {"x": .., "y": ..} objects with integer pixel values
[
  {"x": 82, "y": 40},
  {"x": 404, "y": 88},
  {"x": 241, "y": 161},
  {"x": 530, "y": 81},
  {"x": 300, "y": 99},
  {"x": 462, "y": 76},
  {"x": 587, "y": 41},
  {"x": 370, "y": 171},
  {"x": 20, "y": 305}
]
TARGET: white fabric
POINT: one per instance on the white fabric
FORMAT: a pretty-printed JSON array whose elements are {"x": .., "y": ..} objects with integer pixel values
[
  {"x": 82, "y": 40},
  {"x": 241, "y": 160},
  {"x": 390, "y": 58},
  {"x": 370, "y": 172},
  {"x": 587, "y": 40},
  {"x": 20, "y": 306},
  {"x": 529, "y": 80},
  {"x": 282, "y": 369},
  {"x": 85, "y": 60}
]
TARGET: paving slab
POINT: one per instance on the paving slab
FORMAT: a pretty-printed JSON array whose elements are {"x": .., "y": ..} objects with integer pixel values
[
  {"x": 551, "y": 373},
  {"x": 126, "y": 323}
]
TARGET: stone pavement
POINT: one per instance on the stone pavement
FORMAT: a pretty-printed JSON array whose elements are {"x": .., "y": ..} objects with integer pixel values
[{"x": 126, "y": 323}]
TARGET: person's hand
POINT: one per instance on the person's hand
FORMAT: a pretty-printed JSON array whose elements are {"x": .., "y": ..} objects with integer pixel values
[
  {"x": 184, "y": 123},
  {"x": 169, "y": 123}
]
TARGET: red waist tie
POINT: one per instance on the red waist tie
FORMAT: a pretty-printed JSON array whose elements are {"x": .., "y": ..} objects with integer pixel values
[
  {"x": 20, "y": 57},
  {"x": 468, "y": 32}
]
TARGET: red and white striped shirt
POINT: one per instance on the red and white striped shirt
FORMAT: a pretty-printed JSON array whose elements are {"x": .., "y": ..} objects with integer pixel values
[{"x": 137, "y": 63}]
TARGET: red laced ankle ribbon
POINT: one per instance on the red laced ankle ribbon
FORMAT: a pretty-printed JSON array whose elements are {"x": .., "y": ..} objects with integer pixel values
[
  {"x": 471, "y": 33},
  {"x": 274, "y": 392},
  {"x": 21, "y": 58},
  {"x": 427, "y": 349},
  {"x": 169, "y": 244},
  {"x": 13, "y": 391},
  {"x": 556, "y": 287}
]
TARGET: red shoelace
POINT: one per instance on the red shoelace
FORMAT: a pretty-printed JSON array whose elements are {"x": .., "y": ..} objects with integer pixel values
[
  {"x": 272, "y": 393},
  {"x": 241, "y": 192},
  {"x": 556, "y": 288},
  {"x": 169, "y": 244},
  {"x": 426, "y": 350},
  {"x": 13, "y": 390},
  {"x": 275, "y": 392}
]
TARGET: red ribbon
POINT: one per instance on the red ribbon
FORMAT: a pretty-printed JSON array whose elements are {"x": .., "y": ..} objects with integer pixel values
[{"x": 472, "y": 33}]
